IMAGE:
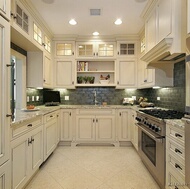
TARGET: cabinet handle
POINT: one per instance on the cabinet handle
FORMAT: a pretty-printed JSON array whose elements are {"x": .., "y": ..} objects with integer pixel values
[
  {"x": 29, "y": 142},
  {"x": 44, "y": 80},
  {"x": 177, "y": 166},
  {"x": 32, "y": 139},
  {"x": 178, "y": 135},
  {"x": 118, "y": 82},
  {"x": 43, "y": 44},
  {"x": 70, "y": 113},
  {"x": 145, "y": 80},
  {"x": 118, "y": 52},
  {"x": 96, "y": 54},
  {"x": 51, "y": 116},
  {"x": 73, "y": 53},
  {"x": 96, "y": 120},
  {"x": 72, "y": 82},
  {"x": 178, "y": 151},
  {"x": 120, "y": 113},
  {"x": 57, "y": 115},
  {"x": 29, "y": 125},
  {"x": 13, "y": 15},
  {"x": 176, "y": 187},
  {"x": 93, "y": 120},
  {"x": 9, "y": 115}
]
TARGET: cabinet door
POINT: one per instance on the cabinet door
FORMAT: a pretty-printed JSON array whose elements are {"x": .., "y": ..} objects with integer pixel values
[
  {"x": 125, "y": 49},
  {"x": 50, "y": 137},
  {"x": 124, "y": 125},
  {"x": 5, "y": 176},
  {"x": 188, "y": 16},
  {"x": 126, "y": 73},
  {"x": 85, "y": 128},
  {"x": 105, "y": 50},
  {"x": 64, "y": 49},
  {"x": 134, "y": 129},
  {"x": 85, "y": 49},
  {"x": 105, "y": 128},
  {"x": 164, "y": 19},
  {"x": 37, "y": 149},
  {"x": 150, "y": 28},
  {"x": 47, "y": 71},
  {"x": 66, "y": 125},
  {"x": 5, "y": 8},
  {"x": 64, "y": 73},
  {"x": 20, "y": 158},
  {"x": 5, "y": 89}
]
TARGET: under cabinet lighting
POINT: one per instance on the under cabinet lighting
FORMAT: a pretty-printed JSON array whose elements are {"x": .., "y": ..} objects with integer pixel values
[
  {"x": 72, "y": 22},
  {"x": 95, "y": 33},
  {"x": 118, "y": 21},
  {"x": 156, "y": 87}
]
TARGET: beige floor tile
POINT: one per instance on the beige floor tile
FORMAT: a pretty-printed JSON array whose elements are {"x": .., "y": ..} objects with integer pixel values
[{"x": 93, "y": 167}]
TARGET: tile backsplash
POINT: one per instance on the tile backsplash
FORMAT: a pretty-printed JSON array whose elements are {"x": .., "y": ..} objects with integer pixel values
[{"x": 172, "y": 98}]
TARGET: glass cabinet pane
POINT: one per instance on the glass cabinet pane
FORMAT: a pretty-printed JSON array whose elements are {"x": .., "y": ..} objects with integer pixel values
[
  {"x": 64, "y": 49},
  {"x": 127, "y": 49},
  {"x": 105, "y": 50}
]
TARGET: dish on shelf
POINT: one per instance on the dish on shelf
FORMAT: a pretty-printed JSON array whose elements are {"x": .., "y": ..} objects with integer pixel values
[
  {"x": 30, "y": 110},
  {"x": 103, "y": 81}
]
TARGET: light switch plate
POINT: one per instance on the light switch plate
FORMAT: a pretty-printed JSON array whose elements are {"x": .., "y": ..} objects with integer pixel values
[
  {"x": 134, "y": 97},
  {"x": 32, "y": 98}
]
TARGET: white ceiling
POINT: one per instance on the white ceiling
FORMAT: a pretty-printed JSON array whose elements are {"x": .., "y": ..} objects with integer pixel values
[{"x": 57, "y": 14}]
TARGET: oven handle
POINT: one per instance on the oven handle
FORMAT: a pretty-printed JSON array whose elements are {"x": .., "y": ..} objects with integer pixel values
[{"x": 156, "y": 138}]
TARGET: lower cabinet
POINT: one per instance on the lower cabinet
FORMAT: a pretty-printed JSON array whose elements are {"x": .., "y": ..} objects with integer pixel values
[
  {"x": 27, "y": 156},
  {"x": 95, "y": 125},
  {"x": 5, "y": 175},
  {"x": 134, "y": 129},
  {"x": 123, "y": 116},
  {"x": 50, "y": 133},
  {"x": 66, "y": 125}
]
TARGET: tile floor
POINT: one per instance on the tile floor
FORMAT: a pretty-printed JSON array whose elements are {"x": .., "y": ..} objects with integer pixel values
[{"x": 93, "y": 167}]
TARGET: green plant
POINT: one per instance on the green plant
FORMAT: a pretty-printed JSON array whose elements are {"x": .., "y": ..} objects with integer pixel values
[
  {"x": 79, "y": 79},
  {"x": 85, "y": 79},
  {"x": 91, "y": 79}
]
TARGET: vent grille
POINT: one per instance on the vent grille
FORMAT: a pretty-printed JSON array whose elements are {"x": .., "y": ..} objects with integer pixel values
[{"x": 95, "y": 12}]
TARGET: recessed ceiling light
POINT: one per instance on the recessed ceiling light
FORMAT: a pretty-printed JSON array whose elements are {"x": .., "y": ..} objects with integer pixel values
[
  {"x": 118, "y": 21},
  {"x": 48, "y": 1},
  {"x": 72, "y": 22},
  {"x": 95, "y": 33}
]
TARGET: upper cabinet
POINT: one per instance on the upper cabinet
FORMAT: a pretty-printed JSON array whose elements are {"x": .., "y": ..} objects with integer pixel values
[
  {"x": 5, "y": 9},
  {"x": 125, "y": 48},
  {"x": 39, "y": 70},
  {"x": 65, "y": 49},
  {"x": 95, "y": 50}
]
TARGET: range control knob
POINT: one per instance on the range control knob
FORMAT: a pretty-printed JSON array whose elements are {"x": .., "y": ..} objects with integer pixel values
[
  {"x": 138, "y": 118},
  {"x": 153, "y": 127},
  {"x": 157, "y": 129},
  {"x": 150, "y": 125}
]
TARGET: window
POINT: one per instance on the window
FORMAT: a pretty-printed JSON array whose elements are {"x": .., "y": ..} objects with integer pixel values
[
  {"x": 22, "y": 18},
  {"x": 37, "y": 34}
]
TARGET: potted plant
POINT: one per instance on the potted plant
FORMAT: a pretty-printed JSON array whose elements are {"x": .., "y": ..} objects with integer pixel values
[
  {"x": 91, "y": 79},
  {"x": 79, "y": 79},
  {"x": 85, "y": 79}
]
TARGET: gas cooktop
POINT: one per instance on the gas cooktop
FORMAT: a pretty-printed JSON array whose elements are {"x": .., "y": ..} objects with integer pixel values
[{"x": 164, "y": 114}]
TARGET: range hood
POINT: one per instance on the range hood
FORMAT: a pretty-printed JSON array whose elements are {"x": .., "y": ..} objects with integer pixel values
[{"x": 163, "y": 56}]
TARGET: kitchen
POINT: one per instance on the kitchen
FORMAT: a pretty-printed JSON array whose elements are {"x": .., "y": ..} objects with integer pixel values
[{"x": 52, "y": 63}]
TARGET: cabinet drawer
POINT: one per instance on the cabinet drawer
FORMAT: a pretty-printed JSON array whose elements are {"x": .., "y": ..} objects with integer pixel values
[
  {"x": 177, "y": 166},
  {"x": 174, "y": 182},
  {"x": 176, "y": 149},
  {"x": 176, "y": 134},
  {"x": 95, "y": 111},
  {"x": 26, "y": 126},
  {"x": 50, "y": 117}
]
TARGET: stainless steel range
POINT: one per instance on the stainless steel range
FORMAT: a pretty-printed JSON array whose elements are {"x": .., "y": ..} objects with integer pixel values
[{"x": 151, "y": 140}]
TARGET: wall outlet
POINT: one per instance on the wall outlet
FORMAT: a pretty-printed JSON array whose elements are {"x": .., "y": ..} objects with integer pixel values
[
  {"x": 28, "y": 99},
  {"x": 134, "y": 97},
  {"x": 158, "y": 98},
  {"x": 66, "y": 97},
  {"x": 32, "y": 98},
  {"x": 37, "y": 98}
]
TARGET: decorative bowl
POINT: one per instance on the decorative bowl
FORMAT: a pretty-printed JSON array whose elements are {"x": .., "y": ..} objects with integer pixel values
[{"x": 103, "y": 81}]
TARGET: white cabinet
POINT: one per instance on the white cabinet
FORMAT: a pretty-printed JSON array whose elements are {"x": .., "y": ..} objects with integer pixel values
[
  {"x": 50, "y": 133},
  {"x": 95, "y": 126},
  {"x": 5, "y": 175},
  {"x": 134, "y": 129},
  {"x": 126, "y": 48},
  {"x": 39, "y": 70},
  {"x": 95, "y": 49},
  {"x": 126, "y": 73},
  {"x": 175, "y": 157},
  {"x": 95, "y": 69},
  {"x": 123, "y": 116},
  {"x": 188, "y": 16},
  {"x": 66, "y": 127},
  {"x": 65, "y": 73},
  {"x": 5, "y": 90},
  {"x": 64, "y": 49},
  {"x": 5, "y": 8},
  {"x": 26, "y": 151}
]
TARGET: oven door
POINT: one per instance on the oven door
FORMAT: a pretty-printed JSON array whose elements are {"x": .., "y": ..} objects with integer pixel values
[{"x": 152, "y": 152}]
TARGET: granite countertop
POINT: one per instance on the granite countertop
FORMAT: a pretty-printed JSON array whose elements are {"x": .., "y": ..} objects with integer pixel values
[
  {"x": 24, "y": 115},
  {"x": 176, "y": 122}
]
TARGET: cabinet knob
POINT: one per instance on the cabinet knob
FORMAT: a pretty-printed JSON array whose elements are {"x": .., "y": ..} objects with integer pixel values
[
  {"x": 118, "y": 82},
  {"x": 73, "y": 53},
  {"x": 120, "y": 113},
  {"x": 29, "y": 125},
  {"x": 178, "y": 135},
  {"x": 177, "y": 166},
  {"x": 9, "y": 115},
  {"x": 29, "y": 142},
  {"x": 96, "y": 54},
  {"x": 70, "y": 113},
  {"x": 118, "y": 52},
  {"x": 13, "y": 15}
]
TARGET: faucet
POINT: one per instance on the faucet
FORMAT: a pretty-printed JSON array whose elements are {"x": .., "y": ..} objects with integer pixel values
[{"x": 95, "y": 100}]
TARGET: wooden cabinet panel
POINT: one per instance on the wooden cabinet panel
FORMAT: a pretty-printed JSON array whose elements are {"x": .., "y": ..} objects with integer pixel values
[
  {"x": 5, "y": 176},
  {"x": 5, "y": 8}
]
